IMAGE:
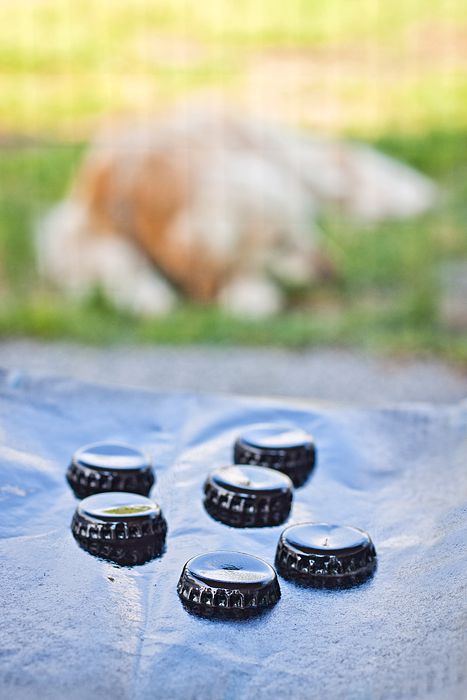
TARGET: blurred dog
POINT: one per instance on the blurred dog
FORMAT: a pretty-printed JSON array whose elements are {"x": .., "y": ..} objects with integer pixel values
[{"x": 213, "y": 207}]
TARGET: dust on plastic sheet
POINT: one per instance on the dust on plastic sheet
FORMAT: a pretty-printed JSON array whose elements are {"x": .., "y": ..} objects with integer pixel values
[{"x": 73, "y": 626}]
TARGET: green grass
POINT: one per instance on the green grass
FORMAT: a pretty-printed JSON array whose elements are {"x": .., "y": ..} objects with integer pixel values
[
  {"x": 385, "y": 297},
  {"x": 383, "y": 65},
  {"x": 398, "y": 330},
  {"x": 389, "y": 73}
]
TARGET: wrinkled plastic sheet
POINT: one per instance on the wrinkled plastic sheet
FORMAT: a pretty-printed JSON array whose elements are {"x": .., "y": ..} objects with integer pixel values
[{"x": 73, "y": 626}]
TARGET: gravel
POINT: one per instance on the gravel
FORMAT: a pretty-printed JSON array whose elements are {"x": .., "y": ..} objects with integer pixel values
[{"x": 320, "y": 374}]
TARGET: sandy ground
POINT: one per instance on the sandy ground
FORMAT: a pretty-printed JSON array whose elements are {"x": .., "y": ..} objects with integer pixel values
[{"x": 325, "y": 374}]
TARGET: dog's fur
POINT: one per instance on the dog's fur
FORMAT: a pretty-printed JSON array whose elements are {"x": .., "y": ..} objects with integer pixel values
[{"x": 212, "y": 207}]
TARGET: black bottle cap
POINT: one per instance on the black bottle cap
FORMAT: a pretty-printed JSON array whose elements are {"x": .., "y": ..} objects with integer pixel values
[
  {"x": 228, "y": 584},
  {"x": 104, "y": 466},
  {"x": 126, "y": 528},
  {"x": 245, "y": 496},
  {"x": 325, "y": 556},
  {"x": 288, "y": 449}
]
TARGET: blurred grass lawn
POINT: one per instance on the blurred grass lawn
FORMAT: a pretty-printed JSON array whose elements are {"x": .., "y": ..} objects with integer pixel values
[{"x": 392, "y": 74}]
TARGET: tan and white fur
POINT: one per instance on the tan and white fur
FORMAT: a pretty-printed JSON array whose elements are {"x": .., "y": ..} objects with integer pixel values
[{"x": 214, "y": 208}]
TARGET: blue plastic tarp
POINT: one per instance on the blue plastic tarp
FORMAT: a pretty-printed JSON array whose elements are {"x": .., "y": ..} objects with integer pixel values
[{"x": 73, "y": 626}]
